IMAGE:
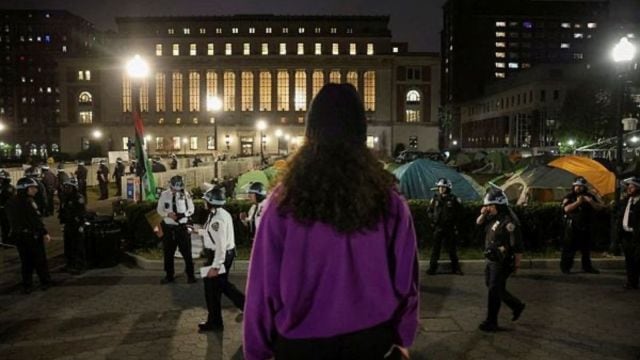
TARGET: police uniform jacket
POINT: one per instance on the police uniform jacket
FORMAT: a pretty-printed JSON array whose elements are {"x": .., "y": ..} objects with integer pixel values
[
  {"x": 179, "y": 202},
  {"x": 580, "y": 218},
  {"x": 119, "y": 170},
  {"x": 218, "y": 235},
  {"x": 7, "y": 191},
  {"x": 24, "y": 216},
  {"x": 255, "y": 215},
  {"x": 81, "y": 173},
  {"x": 72, "y": 209},
  {"x": 443, "y": 209},
  {"x": 502, "y": 231},
  {"x": 630, "y": 219},
  {"x": 103, "y": 173}
]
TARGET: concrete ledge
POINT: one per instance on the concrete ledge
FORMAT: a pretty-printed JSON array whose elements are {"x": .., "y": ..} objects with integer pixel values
[{"x": 614, "y": 263}]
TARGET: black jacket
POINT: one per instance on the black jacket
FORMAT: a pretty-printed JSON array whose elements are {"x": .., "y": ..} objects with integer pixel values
[{"x": 24, "y": 216}]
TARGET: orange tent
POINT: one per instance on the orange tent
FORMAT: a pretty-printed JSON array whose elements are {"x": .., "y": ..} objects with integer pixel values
[{"x": 603, "y": 180}]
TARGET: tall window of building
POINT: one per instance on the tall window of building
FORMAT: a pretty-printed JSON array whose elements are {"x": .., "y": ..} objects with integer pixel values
[
  {"x": 218, "y": 30},
  {"x": 268, "y": 30},
  {"x": 170, "y": 31},
  {"x": 160, "y": 92},
  {"x": 300, "y": 30},
  {"x": 210, "y": 49},
  {"x": 317, "y": 81},
  {"x": 265, "y": 48},
  {"x": 285, "y": 30},
  {"x": 370, "y": 49},
  {"x": 158, "y": 49},
  {"x": 176, "y": 49},
  {"x": 334, "y": 77},
  {"x": 370, "y": 91},
  {"x": 300, "y": 48},
  {"x": 229, "y": 102},
  {"x": 283, "y": 49},
  {"x": 176, "y": 90},
  {"x": 144, "y": 96},
  {"x": 193, "y": 143},
  {"x": 194, "y": 91},
  {"x": 193, "y": 50},
  {"x": 334, "y": 30},
  {"x": 252, "y": 30},
  {"x": 318, "y": 50},
  {"x": 186, "y": 31},
  {"x": 212, "y": 84},
  {"x": 126, "y": 94},
  {"x": 159, "y": 143},
  {"x": 247, "y": 91},
  {"x": 265, "y": 91},
  {"x": 203, "y": 31},
  {"x": 300, "y": 94},
  {"x": 352, "y": 49},
  {"x": 175, "y": 143},
  {"x": 228, "y": 49},
  {"x": 85, "y": 117},
  {"x": 317, "y": 30},
  {"x": 234, "y": 30},
  {"x": 246, "y": 49},
  {"x": 352, "y": 78},
  {"x": 413, "y": 104},
  {"x": 283, "y": 90},
  {"x": 335, "y": 49},
  {"x": 80, "y": 76}
]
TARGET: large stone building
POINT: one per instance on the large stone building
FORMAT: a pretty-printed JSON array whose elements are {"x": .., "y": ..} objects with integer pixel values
[{"x": 261, "y": 67}]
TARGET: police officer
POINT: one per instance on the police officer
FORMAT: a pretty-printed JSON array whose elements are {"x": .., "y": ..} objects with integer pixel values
[
  {"x": 41, "y": 197},
  {"x": 103, "y": 180},
  {"x": 81, "y": 174},
  {"x": 630, "y": 232},
  {"x": 118, "y": 173},
  {"x": 503, "y": 251},
  {"x": 442, "y": 210},
  {"x": 257, "y": 195},
  {"x": 578, "y": 207},
  {"x": 62, "y": 176},
  {"x": 7, "y": 191},
  {"x": 29, "y": 233},
  {"x": 176, "y": 206},
  {"x": 132, "y": 167},
  {"x": 220, "y": 250},
  {"x": 50, "y": 182},
  {"x": 72, "y": 213},
  {"x": 174, "y": 162}
]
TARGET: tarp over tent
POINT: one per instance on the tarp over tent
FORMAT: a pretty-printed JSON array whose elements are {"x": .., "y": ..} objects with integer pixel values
[
  {"x": 418, "y": 177},
  {"x": 603, "y": 180},
  {"x": 496, "y": 163},
  {"x": 538, "y": 184}
]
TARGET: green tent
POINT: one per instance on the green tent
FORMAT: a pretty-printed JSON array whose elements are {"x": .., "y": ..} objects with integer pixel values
[
  {"x": 418, "y": 178},
  {"x": 496, "y": 162},
  {"x": 245, "y": 180}
]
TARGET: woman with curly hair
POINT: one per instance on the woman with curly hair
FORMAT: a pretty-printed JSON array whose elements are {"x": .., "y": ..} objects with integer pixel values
[{"x": 334, "y": 271}]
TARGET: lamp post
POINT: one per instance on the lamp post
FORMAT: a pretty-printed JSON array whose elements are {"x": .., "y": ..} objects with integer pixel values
[
  {"x": 287, "y": 137},
  {"x": 138, "y": 69},
  {"x": 261, "y": 125},
  {"x": 279, "y": 135},
  {"x": 214, "y": 104}
]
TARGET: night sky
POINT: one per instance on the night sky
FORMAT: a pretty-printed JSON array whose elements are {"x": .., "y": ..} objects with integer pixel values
[{"x": 415, "y": 21}]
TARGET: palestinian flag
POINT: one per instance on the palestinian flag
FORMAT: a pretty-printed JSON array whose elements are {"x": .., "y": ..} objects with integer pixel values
[{"x": 143, "y": 166}]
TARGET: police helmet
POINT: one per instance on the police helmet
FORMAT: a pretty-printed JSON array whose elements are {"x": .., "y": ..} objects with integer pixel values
[
  {"x": 102, "y": 162},
  {"x": 33, "y": 171},
  {"x": 45, "y": 167},
  {"x": 215, "y": 196},
  {"x": 176, "y": 183},
  {"x": 71, "y": 182},
  {"x": 443, "y": 182},
  {"x": 119, "y": 160},
  {"x": 580, "y": 181},
  {"x": 257, "y": 188},
  {"x": 4, "y": 174},
  {"x": 25, "y": 183},
  {"x": 495, "y": 196},
  {"x": 634, "y": 180},
  {"x": 80, "y": 163}
]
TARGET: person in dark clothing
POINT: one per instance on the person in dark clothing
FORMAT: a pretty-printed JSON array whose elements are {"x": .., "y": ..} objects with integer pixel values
[
  {"x": 103, "y": 180},
  {"x": 30, "y": 234},
  {"x": 62, "y": 177},
  {"x": 81, "y": 175},
  {"x": 630, "y": 232},
  {"x": 174, "y": 162},
  {"x": 196, "y": 161},
  {"x": 72, "y": 213},
  {"x": 118, "y": 173},
  {"x": 50, "y": 182},
  {"x": 40, "y": 197},
  {"x": 578, "y": 208},
  {"x": 503, "y": 251},
  {"x": 7, "y": 191},
  {"x": 132, "y": 167},
  {"x": 443, "y": 209}
]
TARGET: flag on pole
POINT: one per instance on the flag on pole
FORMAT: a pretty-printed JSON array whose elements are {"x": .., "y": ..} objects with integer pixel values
[{"x": 143, "y": 167}]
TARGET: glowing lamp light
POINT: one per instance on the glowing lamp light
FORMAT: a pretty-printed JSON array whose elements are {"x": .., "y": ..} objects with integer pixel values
[
  {"x": 214, "y": 103},
  {"x": 137, "y": 67},
  {"x": 624, "y": 51},
  {"x": 261, "y": 125},
  {"x": 97, "y": 134}
]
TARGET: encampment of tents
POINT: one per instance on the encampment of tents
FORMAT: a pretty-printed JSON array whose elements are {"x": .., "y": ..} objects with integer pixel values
[
  {"x": 538, "y": 184},
  {"x": 496, "y": 162},
  {"x": 602, "y": 180},
  {"x": 245, "y": 180},
  {"x": 418, "y": 178}
]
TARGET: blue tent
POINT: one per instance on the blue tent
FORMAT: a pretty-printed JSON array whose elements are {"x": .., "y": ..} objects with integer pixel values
[{"x": 418, "y": 177}]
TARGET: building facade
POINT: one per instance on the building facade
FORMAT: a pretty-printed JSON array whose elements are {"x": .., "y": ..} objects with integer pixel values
[{"x": 263, "y": 67}]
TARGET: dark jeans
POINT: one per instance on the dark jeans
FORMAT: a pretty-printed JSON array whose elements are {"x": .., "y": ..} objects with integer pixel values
[
  {"x": 215, "y": 287},
  {"x": 496, "y": 275},
  {"x": 370, "y": 344},
  {"x": 74, "y": 247},
  {"x": 631, "y": 258},
  {"x": 576, "y": 240},
  {"x": 82, "y": 188},
  {"x": 118, "y": 185},
  {"x": 176, "y": 236},
  {"x": 5, "y": 227},
  {"x": 448, "y": 237},
  {"x": 50, "y": 197},
  {"x": 104, "y": 190},
  {"x": 33, "y": 257}
]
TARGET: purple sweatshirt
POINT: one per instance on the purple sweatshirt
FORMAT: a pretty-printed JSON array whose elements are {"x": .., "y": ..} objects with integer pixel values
[{"x": 311, "y": 281}]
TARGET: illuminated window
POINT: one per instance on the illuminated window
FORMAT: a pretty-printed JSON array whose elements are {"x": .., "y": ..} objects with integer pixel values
[
  {"x": 335, "y": 49},
  {"x": 334, "y": 77},
  {"x": 352, "y": 78},
  {"x": 203, "y": 31},
  {"x": 252, "y": 30},
  {"x": 144, "y": 96},
  {"x": 194, "y": 91},
  {"x": 186, "y": 31},
  {"x": 268, "y": 30},
  {"x": 370, "y": 50},
  {"x": 170, "y": 31},
  {"x": 501, "y": 34},
  {"x": 246, "y": 49},
  {"x": 300, "y": 48},
  {"x": 578, "y": 35},
  {"x": 176, "y": 89},
  {"x": 210, "y": 49},
  {"x": 80, "y": 76},
  {"x": 395, "y": 50},
  {"x": 265, "y": 49},
  {"x": 160, "y": 92},
  {"x": 317, "y": 30},
  {"x": 285, "y": 30},
  {"x": 513, "y": 65},
  {"x": 234, "y": 30},
  {"x": 592, "y": 25},
  {"x": 352, "y": 49},
  {"x": 500, "y": 55},
  {"x": 370, "y": 91},
  {"x": 565, "y": 25},
  {"x": 317, "y": 81},
  {"x": 212, "y": 84},
  {"x": 500, "y": 44},
  {"x": 85, "y": 98},
  {"x": 159, "y": 143},
  {"x": 218, "y": 30},
  {"x": 85, "y": 117},
  {"x": 193, "y": 50},
  {"x": 283, "y": 49},
  {"x": 246, "y": 79},
  {"x": 228, "y": 49},
  {"x": 301, "y": 30},
  {"x": 334, "y": 30},
  {"x": 175, "y": 142},
  {"x": 229, "y": 91},
  {"x": 176, "y": 49},
  {"x": 126, "y": 94},
  {"x": 499, "y": 75},
  {"x": 565, "y": 45},
  {"x": 158, "y": 49},
  {"x": 318, "y": 49},
  {"x": 578, "y": 56},
  {"x": 501, "y": 24},
  {"x": 193, "y": 143},
  {"x": 500, "y": 65},
  {"x": 300, "y": 95},
  {"x": 265, "y": 91},
  {"x": 283, "y": 90}
]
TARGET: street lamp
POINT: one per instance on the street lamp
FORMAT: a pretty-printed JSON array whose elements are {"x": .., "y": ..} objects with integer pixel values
[
  {"x": 97, "y": 134},
  {"x": 138, "y": 69},
  {"x": 279, "y": 135},
  {"x": 261, "y": 125},
  {"x": 214, "y": 104}
]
